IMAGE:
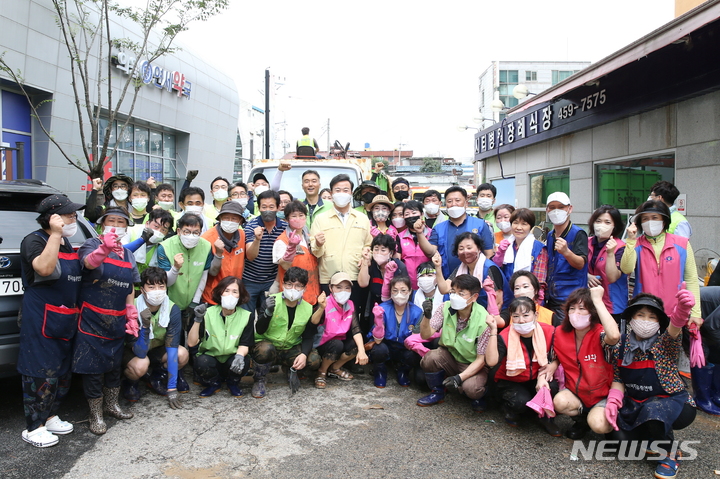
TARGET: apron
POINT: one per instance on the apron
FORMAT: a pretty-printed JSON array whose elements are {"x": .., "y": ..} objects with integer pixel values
[
  {"x": 50, "y": 321},
  {"x": 101, "y": 327}
]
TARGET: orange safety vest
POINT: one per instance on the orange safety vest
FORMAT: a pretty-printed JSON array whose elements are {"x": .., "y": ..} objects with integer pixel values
[
  {"x": 309, "y": 263},
  {"x": 232, "y": 264}
]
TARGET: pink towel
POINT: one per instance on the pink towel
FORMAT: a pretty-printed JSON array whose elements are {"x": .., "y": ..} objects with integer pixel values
[{"x": 542, "y": 403}]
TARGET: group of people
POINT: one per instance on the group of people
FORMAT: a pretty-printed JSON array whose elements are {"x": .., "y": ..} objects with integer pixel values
[{"x": 254, "y": 278}]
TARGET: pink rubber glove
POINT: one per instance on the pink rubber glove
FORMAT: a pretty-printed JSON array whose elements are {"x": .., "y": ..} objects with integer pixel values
[
  {"x": 374, "y": 231},
  {"x": 109, "y": 240},
  {"x": 294, "y": 239},
  {"x": 390, "y": 269},
  {"x": 614, "y": 403},
  {"x": 291, "y": 251},
  {"x": 489, "y": 287},
  {"x": 685, "y": 303},
  {"x": 500, "y": 253},
  {"x": 132, "y": 326},
  {"x": 697, "y": 355},
  {"x": 378, "y": 331}
]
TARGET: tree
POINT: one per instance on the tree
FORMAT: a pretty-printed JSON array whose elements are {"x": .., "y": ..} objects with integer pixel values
[
  {"x": 86, "y": 28},
  {"x": 430, "y": 166}
]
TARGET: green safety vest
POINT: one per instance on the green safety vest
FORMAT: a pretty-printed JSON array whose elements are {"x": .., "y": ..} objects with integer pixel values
[
  {"x": 183, "y": 291},
  {"x": 223, "y": 337},
  {"x": 158, "y": 331},
  {"x": 306, "y": 141},
  {"x": 675, "y": 219},
  {"x": 278, "y": 333},
  {"x": 135, "y": 232},
  {"x": 462, "y": 344}
]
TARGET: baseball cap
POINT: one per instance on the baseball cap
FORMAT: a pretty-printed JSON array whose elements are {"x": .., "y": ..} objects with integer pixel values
[
  {"x": 58, "y": 205},
  {"x": 560, "y": 197},
  {"x": 338, "y": 278}
]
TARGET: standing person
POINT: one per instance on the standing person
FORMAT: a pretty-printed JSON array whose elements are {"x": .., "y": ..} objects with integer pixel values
[
  {"x": 140, "y": 197},
  {"x": 605, "y": 250},
  {"x": 503, "y": 225},
  {"x": 364, "y": 194},
  {"x": 432, "y": 202},
  {"x": 115, "y": 193},
  {"x": 192, "y": 201},
  {"x": 228, "y": 247},
  {"x": 667, "y": 193},
  {"x": 165, "y": 199},
  {"x": 311, "y": 186},
  {"x": 380, "y": 222},
  {"x": 143, "y": 239},
  {"x": 239, "y": 195},
  {"x": 326, "y": 195},
  {"x": 443, "y": 234},
  {"x": 486, "y": 199},
  {"x": 285, "y": 198},
  {"x": 397, "y": 217},
  {"x": 567, "y": 249},
  {"x": 107, "y": 312},
  {"x": 379, "y": 266},
  {"x": 408, "y": 246},
  {"x": 51, "y": 274},
  {"x": 260, "y": 235},
  {"x": 401, "y": 189},
  {"x": 307, "y": 141},
  {"x": 220, "y": 191},
  {"x": 463, "y": 338}
]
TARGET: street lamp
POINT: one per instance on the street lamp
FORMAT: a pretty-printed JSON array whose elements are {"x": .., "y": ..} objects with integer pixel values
[
  {"x": 521, "y": 91},
  {"x": 465, "y": 128}
]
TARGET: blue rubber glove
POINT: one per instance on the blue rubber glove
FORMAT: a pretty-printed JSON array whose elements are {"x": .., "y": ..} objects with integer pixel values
[{"x": 141, "y": 346}]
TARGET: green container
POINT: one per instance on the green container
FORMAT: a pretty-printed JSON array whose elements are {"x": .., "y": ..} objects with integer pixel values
[
  {"x": 554, "y": 183},
  {"x": 625, "y": 189}
]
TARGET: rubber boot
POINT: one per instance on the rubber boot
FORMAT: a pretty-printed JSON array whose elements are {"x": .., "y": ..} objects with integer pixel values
[
  {"x": 131, "y": 390},
  {"x": 380, "y": 375},
  {"x": 182, "y": 385},
  {"x": 111, "y": 406},
  {"x": 403, "y": 376},
  {"x": 549, "y": 424},
  {"x": 716, "y": 384},
  {"x": 702, "y": 382},
  {"x": 579, "y": 428},
  {"x": 233, "y": 385},
  {"x": 157, "y": 381},
  {"x": 258, "y": 389},
  {"x": 437, "y": 394},
  {"x": 213, "y": 386},
  {"x": 97, "y": 423}
]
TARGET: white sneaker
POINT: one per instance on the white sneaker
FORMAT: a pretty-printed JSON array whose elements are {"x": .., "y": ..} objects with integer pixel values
[
  {"x": 56, "y": 425},
  {"x": 40, "y": 437}
]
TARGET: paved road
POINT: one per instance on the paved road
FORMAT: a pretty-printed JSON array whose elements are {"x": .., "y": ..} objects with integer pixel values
[{"x": 349, "y": 430}]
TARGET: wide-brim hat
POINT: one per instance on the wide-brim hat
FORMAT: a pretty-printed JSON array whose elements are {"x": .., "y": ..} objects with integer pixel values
[
  {"x": 116, "y": 211},
  {"x": 107, "y": 187},
  {"x": 381, "y": 200},
  {"x": 357, "y": 195},
  {"x": 231, "y": 207},
  {"x": 58, "y": 205},
  {"x": 646, "y": 301}
]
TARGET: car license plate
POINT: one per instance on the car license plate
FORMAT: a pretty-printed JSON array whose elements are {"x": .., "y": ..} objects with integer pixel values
[{"x": 11, "y": 286}]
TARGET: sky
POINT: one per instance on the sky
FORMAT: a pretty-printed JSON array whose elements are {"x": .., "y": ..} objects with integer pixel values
[{"x": 400, "y": 74}]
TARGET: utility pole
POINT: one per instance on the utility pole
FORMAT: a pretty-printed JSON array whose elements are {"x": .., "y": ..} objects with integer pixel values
[{"x": 267, "y": 114}]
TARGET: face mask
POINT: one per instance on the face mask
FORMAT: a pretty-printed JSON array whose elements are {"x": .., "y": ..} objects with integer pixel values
[
  {"x": 293, "y": 294},
  {"x": 268, "y": 216},
  {"x": 297, "y": 223},
  {"x": 260, "y": 190},
  {"x": 157, "y": 237},
  {"x": 526, "y": 292},
  {"x": 400, "y": 299},
  {"x": 401, "y": 195},
  {"x": 456, "y": 211},
  {"x": 166, "y": 205},
  {"x": 189, "y": 241},
  {"x": 426, "y": 284},
  {"x": 380, "y": 215},
  {"x": 398, "y": 222},
  {"x": 228, "y": 301},
  {"x": 155, "y": 297},
  {"x": 241, "y": 201},
  {"x": 524, "y": 328},
  {"x": 139, "y": 203},
  {"x": 368, "y": 197},
  {"x": 220, "y": 195},
  {"x": 411, "y": 220},
  {"x": 280, "y": 214},
  {"x": 579, "y": 321},
  {"x": 342, "y": 297},
  {"x": 602, "y": 230},
  {"x": 381, "y": 259},
  {"x": 195, "y": 209},
  {"x": 119, "y": 231},
  {"x": 557, "y": 217},
  {"x": 484, "y": 204},
  {"x": 341, "y": 200},
  {"x": 457, "y": 302},
  {"x": 643, "y": 328},
  {"x": 69, "y": 230},
  {"x": 120, "y": 195},
  {"x": 229, "y": 226},
  {"x": 468, "y": 257},
  {"x": 432, "y": 208},
  {"x": 652, "y": 227},
  {"x": 504, "y": 226}
]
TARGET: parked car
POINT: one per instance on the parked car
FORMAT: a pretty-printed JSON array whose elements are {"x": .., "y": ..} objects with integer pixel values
[{"x": 18, "y": 205}]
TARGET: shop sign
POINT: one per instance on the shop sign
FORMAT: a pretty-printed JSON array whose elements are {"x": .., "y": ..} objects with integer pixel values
[{"x": 154, "y": 75}]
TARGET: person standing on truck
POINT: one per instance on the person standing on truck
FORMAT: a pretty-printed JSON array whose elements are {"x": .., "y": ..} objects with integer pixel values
[
  {"x": 307, "y": 140},
  {"x": 51, "y": 276}
]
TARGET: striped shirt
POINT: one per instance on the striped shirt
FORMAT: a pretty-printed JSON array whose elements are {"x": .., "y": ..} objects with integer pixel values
[{"x": 262, "y": 269}]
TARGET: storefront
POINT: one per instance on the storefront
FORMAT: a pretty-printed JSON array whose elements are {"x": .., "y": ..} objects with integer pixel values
[
  {"x": 185, "y": 116},
  {"x": 648, "y": 112}
]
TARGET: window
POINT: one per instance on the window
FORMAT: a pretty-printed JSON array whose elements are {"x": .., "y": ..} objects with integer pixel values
[
  {"x": 505, "y": 191},
  {"x": 482, "y": 98},
  {"x": 530, "y": 76},
  {"x": 15, "y": 126},
  {"x": 560, "y": 75},
  {"x": 508, "y": 81},
  {"x": 542, "y": 184}
]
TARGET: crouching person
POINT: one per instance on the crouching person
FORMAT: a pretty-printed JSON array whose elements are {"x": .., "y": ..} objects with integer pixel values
[
  {"x": 222, "y": 336},
  {"x": 461, "y": 354},
  {"x": 285, "y": 330},
  {"x": 158, "y": 343}
]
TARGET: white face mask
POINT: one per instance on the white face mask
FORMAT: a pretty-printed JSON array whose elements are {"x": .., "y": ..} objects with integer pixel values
[
  {"x": 504, "y": 226},
  {"x": 457, "y": 302},
  {"x": 189, "y": 241},
  {"x": 557, "y": 217},
  {"x": 432, "y": 208},
  {"x": 229, "y": 226},
  {"x": 484, "y": 204},
  {"x": 166, "y": 205},
  {"x": 260, "y": 190},
  {"x": 119, "y": 230},
  {"x": 220, "y": 195},
  {"x": 643, "y": 328},
  {"x": 293, "y": 294},
  {"x": 524, "y": 328},
  {"x": 398, "y": 222},
  {"x": 426, "y": 283},
  {"x": 602, "y": 230},
  {"x": 228, "y": 301},
  {"x": 157, "y": 237},
  {"x": 155, "y": 297},
  {"x": 139, "y": 203},
  {"x": 194, "y": 209},
  {"x": 342, "y": 297},
  {"x": 456, "y": 211},
  {"x": 400, "y": 299},
  {"x": 241, "y": 201},
  {"x": 69, "y": 230},
  {"x": 120, "y": 195},
  {"x": 341, "y": 200},
  {"x": 652, "y": 227}
]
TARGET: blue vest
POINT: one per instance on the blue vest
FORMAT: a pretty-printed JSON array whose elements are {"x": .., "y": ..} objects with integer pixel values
[
  {"x": 562, "y": 278},
  {"x": 398, "y": 332},
  {"x": 509, "y": 269}
]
